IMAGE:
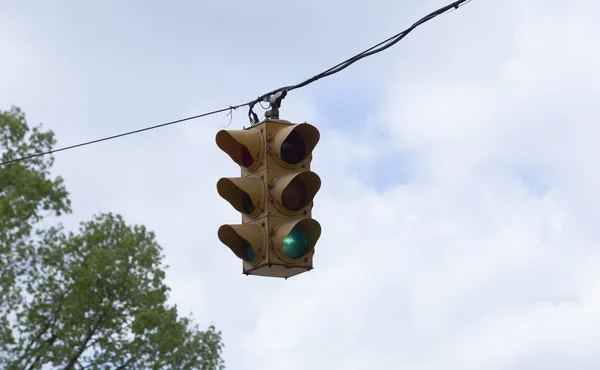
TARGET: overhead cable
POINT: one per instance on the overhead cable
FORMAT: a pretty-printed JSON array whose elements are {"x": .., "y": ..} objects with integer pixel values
[{"x": 272, "y": 96}]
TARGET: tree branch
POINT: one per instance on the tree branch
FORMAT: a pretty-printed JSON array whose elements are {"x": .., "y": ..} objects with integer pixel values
[
  {"x": 33, "y": 341},
  {"x": 48, "y": 342},
  {"x": 91, "y": 333},
  {"x": 48, "y": 325},
  {"x": 82, "y": 348},
  {"x": 126, "y": 363}
]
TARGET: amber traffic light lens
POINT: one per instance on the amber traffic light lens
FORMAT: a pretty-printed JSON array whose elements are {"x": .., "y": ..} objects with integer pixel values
[
  {"x": 249, "y": 254},
  {"x": 247, "y": 205},
  {"x": 294, "y": 196},
  {"x": 247, "y": 159},
  {"x": 293, "y": 149},
  {"x": 295, "y": 244}
]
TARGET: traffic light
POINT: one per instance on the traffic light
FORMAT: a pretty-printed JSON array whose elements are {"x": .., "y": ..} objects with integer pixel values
[{"x": 275, "y": 196}]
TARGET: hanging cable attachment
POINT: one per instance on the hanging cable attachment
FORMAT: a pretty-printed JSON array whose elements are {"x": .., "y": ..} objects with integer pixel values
[
  {"x": 275, "y": 103},
  {"x": 274, "y": 99}
]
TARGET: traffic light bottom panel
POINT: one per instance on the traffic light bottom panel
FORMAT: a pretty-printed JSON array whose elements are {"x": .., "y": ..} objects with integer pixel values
[{"x": 275, "y": 270}]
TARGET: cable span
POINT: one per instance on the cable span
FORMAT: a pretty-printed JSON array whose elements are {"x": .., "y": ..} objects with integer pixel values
[
  {"x": 345, "y": 64},
  {"x": 123, "y": 134},
  {"x": 282, "y": 90}
]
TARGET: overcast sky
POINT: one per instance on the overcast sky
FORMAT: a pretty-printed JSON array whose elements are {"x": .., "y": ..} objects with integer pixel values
[{"x": 460, "y": 180}]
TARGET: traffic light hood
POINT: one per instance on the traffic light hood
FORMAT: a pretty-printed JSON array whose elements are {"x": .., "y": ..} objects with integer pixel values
[
  {"x": 245, "y": 194},
  {"x": 301, "y": 139},
  {"x": 233, "y": 236},
  {"x": 310, "y": 227},
  {"x": 295, "y": 191},
  {"x": 243, "y": 146}
]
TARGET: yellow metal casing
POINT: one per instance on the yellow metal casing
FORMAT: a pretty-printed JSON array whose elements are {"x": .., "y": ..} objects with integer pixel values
[
  {"x": 274, "y": 193},
  {"x": 246, "y": 194},
  {"x": 234, "y": 236},
  {"x": 232, "y": 142}
]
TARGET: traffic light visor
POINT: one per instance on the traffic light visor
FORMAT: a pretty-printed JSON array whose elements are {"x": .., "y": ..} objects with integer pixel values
[
  {"x": 245, "y": 194},
  {"x": 245, "y": 241},
  {"x": 297, "y": 238},
  {"x": 243, "y": 146},
  {"x": 293, "y": 144},
  {"x": 296, "y": 191}
]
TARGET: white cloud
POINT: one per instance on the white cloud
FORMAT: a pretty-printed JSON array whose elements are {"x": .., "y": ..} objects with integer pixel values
[{"x": 463, "y": 267}]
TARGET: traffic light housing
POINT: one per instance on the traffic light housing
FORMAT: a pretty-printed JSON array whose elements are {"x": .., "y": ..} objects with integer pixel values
[{"x": 274, "y": 194}]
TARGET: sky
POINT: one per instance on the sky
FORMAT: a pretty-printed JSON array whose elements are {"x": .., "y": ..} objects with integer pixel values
[{"x": 459, "y": 199}]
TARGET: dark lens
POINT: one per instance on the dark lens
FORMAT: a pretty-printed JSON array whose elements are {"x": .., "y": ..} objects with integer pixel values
[
  {"x": 249, "y": 254},
  {"x": 247, "y": 159},
  {"x": 247, "y": 205},
  {"x": 294, "y": 196},
  {"x": 293, "y": 149}
]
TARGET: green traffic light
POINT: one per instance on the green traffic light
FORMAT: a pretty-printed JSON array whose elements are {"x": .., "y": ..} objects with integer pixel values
[
  {"x": 295, "y": 244},
  {"x": 249, "y": 254}
]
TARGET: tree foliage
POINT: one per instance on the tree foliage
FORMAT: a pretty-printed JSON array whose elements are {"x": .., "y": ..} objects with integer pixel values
[
  {"x": 98, "y": 299},
  {"x": 95, "y": 299},
  {"x": 27, "y": 191}
]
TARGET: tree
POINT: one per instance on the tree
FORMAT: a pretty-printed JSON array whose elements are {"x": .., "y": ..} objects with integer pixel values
[
  {"x": 26, "y": 191},
  {"x": 95, "y": 299},
  {"x": 98, "y": 299}
]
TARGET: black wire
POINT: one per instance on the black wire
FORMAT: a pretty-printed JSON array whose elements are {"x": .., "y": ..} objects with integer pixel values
[
  {"x": 253, "y": 117},
  {"x": 123, "y": 134},
  {"x": 343, "y": 65}
]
